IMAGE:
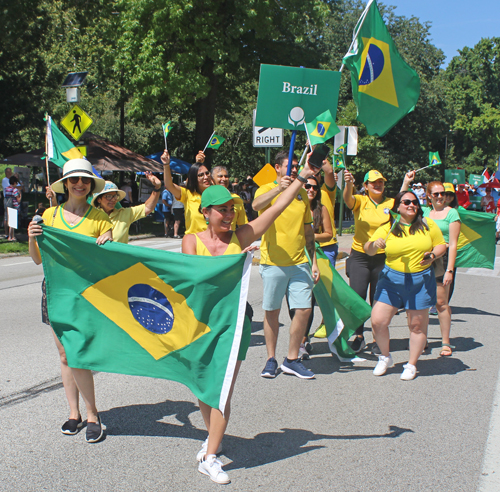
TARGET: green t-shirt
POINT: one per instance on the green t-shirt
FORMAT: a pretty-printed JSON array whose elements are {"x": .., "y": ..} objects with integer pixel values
[{"x": 444, "y": 224}]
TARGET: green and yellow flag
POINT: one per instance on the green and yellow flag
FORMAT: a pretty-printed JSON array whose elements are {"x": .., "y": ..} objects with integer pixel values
[
  {"x": 343, "y": 310},
  {"x": 59, "y": 148},
  {"x": 147, "y": 312},
  {"x": 166, "y": 128},
  {"x": 339, "y": 158},
  {"x": 322, "y": 128},
  {"x": 215, "y": 142},
  {"x": 434, "y": 159},
  {"x": 476, "y": 242},
  {"x": 384, "y": 87}
]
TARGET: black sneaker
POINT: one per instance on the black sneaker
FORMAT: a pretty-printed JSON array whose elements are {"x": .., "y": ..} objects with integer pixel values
[
  {"x": 94, "y": 431},
  {"x": 72, "y": 426},
  {"x": 375, "y": 349},
  {"x": 358, "y": 344},
  {"x": 270, "y": 369}
]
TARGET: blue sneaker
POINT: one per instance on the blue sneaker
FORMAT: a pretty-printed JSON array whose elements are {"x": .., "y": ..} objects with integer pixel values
[
  {"x": 271, "y": 368},
  {"x": 296, "y": 368}
]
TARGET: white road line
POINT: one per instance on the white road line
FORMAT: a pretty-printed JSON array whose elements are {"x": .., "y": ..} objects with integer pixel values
[
  {"x": 490, "y": 477},
  {"x": 19, "y": 263}
]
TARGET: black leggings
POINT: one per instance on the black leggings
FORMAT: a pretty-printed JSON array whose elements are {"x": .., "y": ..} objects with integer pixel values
[{"x": 363, "y": 271}]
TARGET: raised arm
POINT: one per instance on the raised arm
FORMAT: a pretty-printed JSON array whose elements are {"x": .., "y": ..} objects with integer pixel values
[
  {"x": 155, "y": 194},
  {"x": 167, "y": 176},
  {"x": 409, "y": 177},
  {"x": 349, "y": 199}
]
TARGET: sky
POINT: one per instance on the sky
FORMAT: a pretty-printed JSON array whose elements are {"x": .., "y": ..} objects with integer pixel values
[{"x": 454, "y": 24}]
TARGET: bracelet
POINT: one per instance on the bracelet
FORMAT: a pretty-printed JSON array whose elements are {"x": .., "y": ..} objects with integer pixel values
[
  {"x": 157, "y": 189},
  {"x": 301, "y": 179},
  {"x": 433, "y": 255},
  {"x": 449, "y": 271}
]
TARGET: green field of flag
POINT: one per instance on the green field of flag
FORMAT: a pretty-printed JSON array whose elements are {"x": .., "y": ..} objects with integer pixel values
[
  {"x": 215, "y": 142},
  {"x": 59, "y": 148},
  {"x": 139, "y": 311},
  {"x": 384, "y": 87},
  {"x": 434, "y": 159},
  {"x": 322, "y": 128}
]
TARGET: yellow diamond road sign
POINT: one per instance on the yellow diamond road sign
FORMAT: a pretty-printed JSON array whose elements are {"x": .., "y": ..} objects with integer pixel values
[{"x": 76, "y": 122}]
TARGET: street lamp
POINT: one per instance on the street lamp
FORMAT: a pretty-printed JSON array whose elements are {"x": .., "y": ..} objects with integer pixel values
[{"x": 72, "y": 84}]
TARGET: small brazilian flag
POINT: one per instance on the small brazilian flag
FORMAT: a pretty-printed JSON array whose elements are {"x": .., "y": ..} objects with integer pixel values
[
  {"x": 151, "y": 313},
  {"x": 166, "y": 128},
  {"x": 322, "y": 128},
  {"x": 434, "y": 159},
  {"x": 343, "y": 310},
  {"x": 339, "y": 158},
  {"x": 59, "y": 148},
  {"x": 215, "y": 142}
]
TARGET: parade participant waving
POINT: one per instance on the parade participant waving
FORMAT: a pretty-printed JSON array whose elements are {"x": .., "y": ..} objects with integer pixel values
[
  {"x": 217, "y": 206},
  {"x": 122, "y": 218},
  {"x": 198, "y": 180},
  {"x": 448, "y": 221},
  {"x": 75, "y": 215},
  {"x": 407, "y": 281},
  {"x": 370, "y": 212}
]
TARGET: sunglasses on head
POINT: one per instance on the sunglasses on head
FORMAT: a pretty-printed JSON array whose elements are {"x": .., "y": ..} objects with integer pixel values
[
  {"x": 438, "y": 194},
  {"x": 74, "y": 180},
  {"x": 407, "y": 203},
  {"x": 201, "y": 175},
  {"x": 308, "y": 186}
]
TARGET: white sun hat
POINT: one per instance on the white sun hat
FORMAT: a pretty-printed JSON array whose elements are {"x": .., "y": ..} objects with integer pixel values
[{"x": 78, "y": 167}]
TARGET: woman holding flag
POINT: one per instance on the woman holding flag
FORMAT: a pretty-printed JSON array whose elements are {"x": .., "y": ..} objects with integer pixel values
[
  {"x": 411, "y": 245},
  {"x": 448, "y": 221},
  {"x": 217, "y": 207}
]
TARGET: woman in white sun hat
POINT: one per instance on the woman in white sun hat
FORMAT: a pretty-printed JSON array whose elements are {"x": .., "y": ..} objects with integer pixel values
[
  {"x": 75, "y": 215},
  {"x": 122, "y": 218}
]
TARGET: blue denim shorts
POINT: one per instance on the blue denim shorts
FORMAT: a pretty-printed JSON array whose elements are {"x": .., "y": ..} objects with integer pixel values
[
  {"x": 406, "y": 290},
  {"x": 295, "y": 281}
]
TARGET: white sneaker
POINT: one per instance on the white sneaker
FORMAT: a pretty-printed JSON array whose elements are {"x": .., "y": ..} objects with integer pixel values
[
  {"x": 303, "y": 353},
  {"x": 203, "y": 451},
  {"x": 382, "y": 365},
  {"x": 409, "y": 373},
  {"x": 212, "y": 467}
]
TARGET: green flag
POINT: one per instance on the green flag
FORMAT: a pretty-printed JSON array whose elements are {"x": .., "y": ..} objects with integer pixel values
[
  {"x": 339, "y": 158},
  {"x": 343, "y": 310},
  {"x": 384, "y": 87},
  {"x": 476, "y": 242},
  {"x": 215, "y": 142},
  {"x": 166, "y": 128},
  {"x": 322, "y": 128},
  {"x": 434, "y": 159},
  {"x": 145, "y": 312},
  {"x": 59, "y": 148}
]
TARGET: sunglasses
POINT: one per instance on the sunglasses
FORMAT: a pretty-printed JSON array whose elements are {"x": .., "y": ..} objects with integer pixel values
[
  {"x": 111, "y": 196},
  {"x": 438, "y": 194},
  {"x": 201, "y": 175},
  {"x": 308, "y": 186},
  {"x": 74, "y": 180},
  {"x": 449, "y": 194},
  {"x": 407, "y": 203}
]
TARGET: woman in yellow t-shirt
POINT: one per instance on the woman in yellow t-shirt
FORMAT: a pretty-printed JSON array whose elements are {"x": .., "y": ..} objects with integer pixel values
[
  {"x": 217, "y": 206},
  {"x": 407, "y": 280},
  {"x": 198, "y": 180},
  {"x": 75, "y": 215}
]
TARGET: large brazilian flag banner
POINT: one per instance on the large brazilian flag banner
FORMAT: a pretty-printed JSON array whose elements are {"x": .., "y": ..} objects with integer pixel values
[{"x": 138, "y": 311}]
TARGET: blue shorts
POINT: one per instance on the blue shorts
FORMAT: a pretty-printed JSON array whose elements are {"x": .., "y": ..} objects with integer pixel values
[
  {"x": 409, "y": 290},
  {"x": 331, "y": 252},
  {"x": 295, "y": 281}
]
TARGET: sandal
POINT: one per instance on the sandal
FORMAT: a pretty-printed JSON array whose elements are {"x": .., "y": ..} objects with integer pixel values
[{"x": 446, "y": 351}]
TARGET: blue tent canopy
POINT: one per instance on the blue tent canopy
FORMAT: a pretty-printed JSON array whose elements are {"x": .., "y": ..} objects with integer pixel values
[{"x": 176, "y": 165}]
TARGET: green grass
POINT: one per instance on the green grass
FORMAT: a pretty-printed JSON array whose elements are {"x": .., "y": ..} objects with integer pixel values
[
  {"x": 20, "y": 246},
  {"x": 349, "y": 230}
]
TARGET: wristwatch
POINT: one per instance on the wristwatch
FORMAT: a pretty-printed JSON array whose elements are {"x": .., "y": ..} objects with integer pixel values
[
  {"x": 301, "y": 179},
  {"x": 449, "y": 271}
]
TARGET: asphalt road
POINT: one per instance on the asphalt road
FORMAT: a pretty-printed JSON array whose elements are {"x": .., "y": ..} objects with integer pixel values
[{"x": 344, "y": 431}]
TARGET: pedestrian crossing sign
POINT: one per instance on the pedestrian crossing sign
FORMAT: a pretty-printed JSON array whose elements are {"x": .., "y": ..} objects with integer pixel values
[{"x": 76, "y": 122}]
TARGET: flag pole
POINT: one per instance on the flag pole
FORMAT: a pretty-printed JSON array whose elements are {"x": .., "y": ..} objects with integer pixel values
[
  {"x": 47, "y": 153},
  {"x": 308, "y": 137},
  {"x": 290, "y": 152},
  {"x": 213, "y": 133},
  {"x": 303, "y": 157},
  {"x": 164, "y": 136},
  {"x": 355, "y": 33}
]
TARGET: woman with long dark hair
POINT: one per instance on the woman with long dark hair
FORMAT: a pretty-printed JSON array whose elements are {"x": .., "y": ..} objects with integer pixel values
[
  {"x": 198, "y": 180},
  {"x": 411, "y": 245}
]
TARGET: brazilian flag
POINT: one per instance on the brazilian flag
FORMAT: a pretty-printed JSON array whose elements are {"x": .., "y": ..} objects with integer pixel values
[
  {"x": 322, "y": 128},
  {"x": 384, "y": 87},
  {"x": 339, "y": 158},
  {"x": 215, "y": 142},
  {"x": 138, "y": 311},
  {"x": 59, "y": 148},
  {"x": 434, "y": 159},
  {"x": 476, "y": 243},
  {"x": 166, "y": 128},
  {"x": 343, "y": 310}
]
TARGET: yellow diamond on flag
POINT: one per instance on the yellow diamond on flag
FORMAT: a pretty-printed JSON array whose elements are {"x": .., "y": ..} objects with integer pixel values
[
  {"x": 467, "y": 235},
  {"x": 156, "y": 316},
  {"x": 321, "y": 128}
]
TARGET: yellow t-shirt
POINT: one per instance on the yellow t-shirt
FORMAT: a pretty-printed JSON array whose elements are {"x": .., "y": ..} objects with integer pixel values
[
  {"x": 240, "y": 216},
  {"x": 405, "y": 253},
  {"x": 284, "y": 242},
  {"x": 233, "y": 248},
  {"x": 195, "y": 222},
  {"x": 368, "y": 217},
  {"x": 93, "y": 224},
  {"x": 328, "y": 200},
  {"x": 122, "y": 219}
]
